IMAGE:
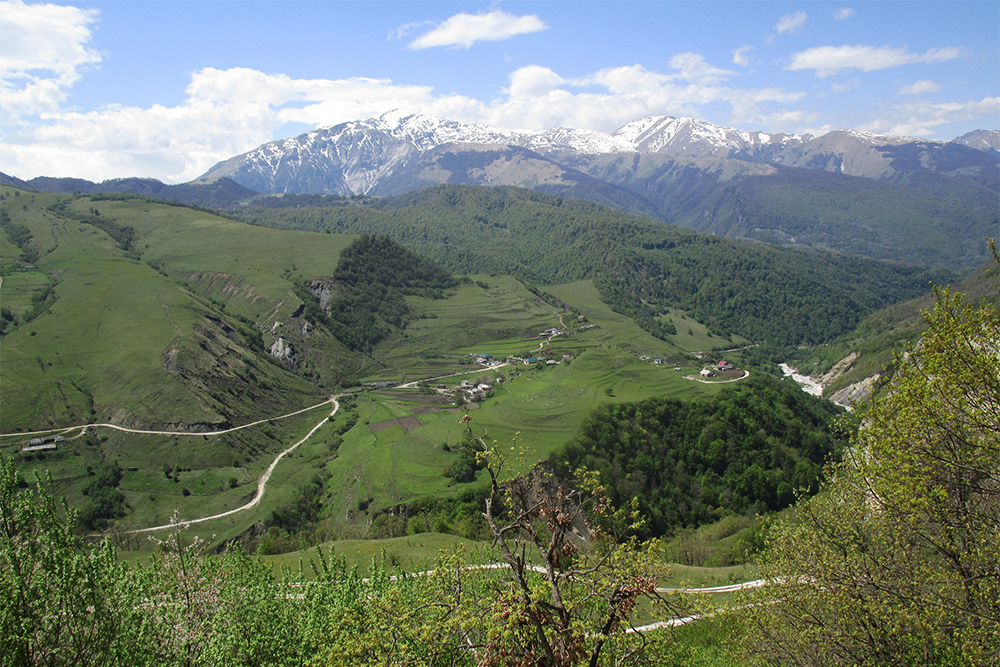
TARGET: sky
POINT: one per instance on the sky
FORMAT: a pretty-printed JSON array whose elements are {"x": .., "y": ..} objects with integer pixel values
[{"x": 166, "y": 89}]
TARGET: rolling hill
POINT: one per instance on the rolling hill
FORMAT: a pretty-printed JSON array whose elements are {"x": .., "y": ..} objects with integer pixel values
[{"x": 643, "y": 268}]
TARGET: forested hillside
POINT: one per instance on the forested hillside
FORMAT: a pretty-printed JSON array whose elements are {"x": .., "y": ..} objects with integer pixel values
[
  {"x": 750, "y": 449},
  {"x": 760, "y": 292}
]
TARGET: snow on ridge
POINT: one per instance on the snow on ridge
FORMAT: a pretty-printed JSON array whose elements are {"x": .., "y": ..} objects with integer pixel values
[{"x": 874, "y": 138}]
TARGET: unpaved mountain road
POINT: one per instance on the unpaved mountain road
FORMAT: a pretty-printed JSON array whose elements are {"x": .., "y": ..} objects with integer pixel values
[{"x": 261, "y": 483}]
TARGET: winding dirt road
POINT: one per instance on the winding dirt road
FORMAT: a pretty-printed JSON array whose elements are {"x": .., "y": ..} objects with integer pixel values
[
  {"x": 261, "y": 483},
  {"x": 83, "y": 427}
]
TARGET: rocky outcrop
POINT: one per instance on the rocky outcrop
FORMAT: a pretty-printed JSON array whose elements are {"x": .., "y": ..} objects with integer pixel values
[
  {"x": 283, "y": 351},
  {"x": 856, "y": 393}
]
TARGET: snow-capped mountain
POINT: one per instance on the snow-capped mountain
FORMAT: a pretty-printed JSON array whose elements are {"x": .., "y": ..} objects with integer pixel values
[
  {"x": 353, "y": 157},
  {"x": 357, "y": 157},
  {"x": 982, "y": 140},
  {"x": 695, "y": 138}
]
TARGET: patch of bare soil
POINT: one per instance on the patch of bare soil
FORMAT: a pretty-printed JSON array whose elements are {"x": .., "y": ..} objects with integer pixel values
[
  {"x": 409, "y": 423},
  {"x": 381, "y": 426}
]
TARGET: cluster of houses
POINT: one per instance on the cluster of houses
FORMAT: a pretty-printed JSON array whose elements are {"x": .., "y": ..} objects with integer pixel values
[
  {"x": 48, "y": 443},
  {"x": 487, "y": 360},
  {"x": 474, "y": 392},
  {"x": 720, "y": 368}
]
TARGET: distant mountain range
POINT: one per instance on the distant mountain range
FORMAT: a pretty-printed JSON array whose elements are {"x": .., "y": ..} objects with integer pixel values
[
  {"x": 888, "y": 197},
  {"x": 361, "y": 157},
  {"x": 221, "y": 193},
  {"x": 898, "y": 198}
]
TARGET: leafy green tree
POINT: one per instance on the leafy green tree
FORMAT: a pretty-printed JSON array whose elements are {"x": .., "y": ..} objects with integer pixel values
[
  {"x": 895, "y": 563},
  {"x": 60, "y": 604},
  {"x": 575, "y": 605}
]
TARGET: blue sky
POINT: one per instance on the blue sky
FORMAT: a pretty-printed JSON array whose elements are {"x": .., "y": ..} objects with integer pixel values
[{"x": 166, "y": 89}]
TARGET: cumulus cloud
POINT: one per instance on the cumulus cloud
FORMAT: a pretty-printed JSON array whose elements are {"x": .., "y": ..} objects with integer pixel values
[
  {"x": 230, "y": 111},
  {"x": 43, "y": 52},
  {"x": 920, "y": 118},
  {"x": 607, "y": 99},
  {"x": 464, "y": 30},
  {"x": 791, "y": 22},
  {"x": 740, "y": 56},
  {"x": 920, "y": 87},
  {"x": 829, "y": 60},
  {"x": 844, "y": 13}
]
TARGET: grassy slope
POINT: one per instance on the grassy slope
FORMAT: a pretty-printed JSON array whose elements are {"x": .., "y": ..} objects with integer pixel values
[
  {"x": 200, "y": 274},
  {"x": 124, "y": 342},
  {"x": 544, "y": 405},
  {"x": 727, "y": 285},
  {"x": 144, "y": 354}
]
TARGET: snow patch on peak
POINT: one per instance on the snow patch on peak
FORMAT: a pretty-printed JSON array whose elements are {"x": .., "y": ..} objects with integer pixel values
[{"x": 871, "y": 137}]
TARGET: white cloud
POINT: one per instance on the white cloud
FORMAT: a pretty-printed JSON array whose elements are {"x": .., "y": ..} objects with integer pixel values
[
  {"x": 921, "y": 118},
  {"x": 740, "y": 56},
  {"x": 607, "y": 99},
  {"x": 844, "y": 13},
  {"x": 692, "y": 67},
  {"x": 829, "y": 60},
  {"x": 845, "y": 86},
  {"x": 787, "y": 120},
  {"x": 42, "y": 54},
  {"x": 791, "y": 22},
  {"x": 533, "y": 81},
  {"x": 464, "y": 30},
  {"x": 920, "y": 87},
  {"x": 228, "y": 112}
]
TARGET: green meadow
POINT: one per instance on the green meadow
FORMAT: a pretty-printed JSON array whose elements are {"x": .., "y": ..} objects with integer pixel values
[{"x": 160, "y": 317}]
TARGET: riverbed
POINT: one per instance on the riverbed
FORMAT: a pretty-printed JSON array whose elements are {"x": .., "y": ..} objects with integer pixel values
[{"x": 809, "y": 385}]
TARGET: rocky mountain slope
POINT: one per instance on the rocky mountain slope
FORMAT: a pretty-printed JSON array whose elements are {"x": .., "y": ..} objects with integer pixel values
[{"x": 355, "y": 157}]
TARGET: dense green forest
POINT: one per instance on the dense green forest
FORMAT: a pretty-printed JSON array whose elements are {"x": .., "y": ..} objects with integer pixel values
[
  {"x": 371, "y": 280},
  {"x": 642, "y": 267},
  {"x": 936, "y": 222},
  {"x": 748, "y": 450}
]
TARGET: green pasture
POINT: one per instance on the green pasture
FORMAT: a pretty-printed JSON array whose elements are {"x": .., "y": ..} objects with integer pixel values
[
  {"x": 542, "y": 405},
  {"x": 497, "y": 320},
  {"x": 19, "y": 287},
  {"x": 616, "y": 329},
  {"x": 117, "y": 327},
  {"x": 112, "y": 345},
  {"x": 239, "y": 264},
  {"x": 413, "y": 553}
]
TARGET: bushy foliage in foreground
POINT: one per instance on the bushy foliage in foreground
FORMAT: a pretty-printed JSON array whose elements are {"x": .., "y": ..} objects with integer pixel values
[
  {"x": 896, "y": 562},
  {"x": 62, "y": 603}
]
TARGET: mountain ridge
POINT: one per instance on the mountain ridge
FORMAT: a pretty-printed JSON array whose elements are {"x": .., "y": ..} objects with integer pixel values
[{"x": 366, "y": 150}]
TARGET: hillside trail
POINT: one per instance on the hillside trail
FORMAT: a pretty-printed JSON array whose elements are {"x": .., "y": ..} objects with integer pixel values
[
  {"x": 83, "y": 427},
  {"x": 745, "y": 375},
  {"x": 453, "y": 375},
  {"x": 261, "y": 483}
]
